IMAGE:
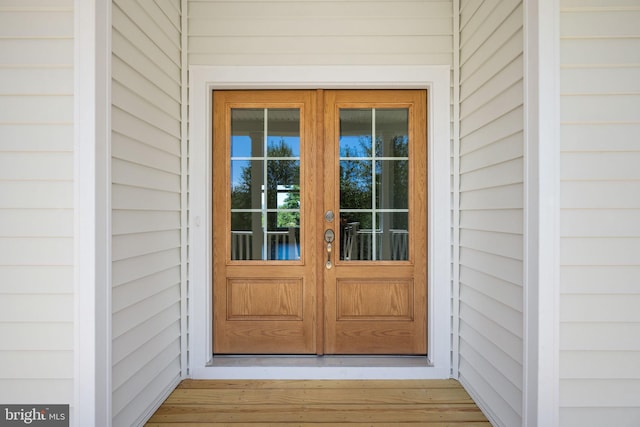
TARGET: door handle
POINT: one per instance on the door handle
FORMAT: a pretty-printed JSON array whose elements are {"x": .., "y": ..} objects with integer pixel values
[{"x": 329, "y": 236}]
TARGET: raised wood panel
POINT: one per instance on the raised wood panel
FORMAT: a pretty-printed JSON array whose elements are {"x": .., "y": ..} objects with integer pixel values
[
  {"x": 610, "y": 337},
  {"x": 501, "y": 221},
  {"x": 600, "y": 195},
  {"x": 36, "y": 52},
  {"x": 374, "y": 300},
  {"x": 129, "y": 317},
  {"x": 265, "y": 299},
  {"x": 36, "y": 223},
  {"x": 600, "y": 223},
  {"x": 128, "y": 173},
  {"x": 144, "y": 288},
  {"x": 505, "y": 173}
]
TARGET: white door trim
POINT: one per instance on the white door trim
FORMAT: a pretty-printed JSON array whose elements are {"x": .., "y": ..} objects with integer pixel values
[{"x": 204, "y": 79}]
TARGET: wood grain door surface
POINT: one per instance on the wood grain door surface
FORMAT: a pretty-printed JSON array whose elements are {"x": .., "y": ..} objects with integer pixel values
[{"x": 288, "y": 168}]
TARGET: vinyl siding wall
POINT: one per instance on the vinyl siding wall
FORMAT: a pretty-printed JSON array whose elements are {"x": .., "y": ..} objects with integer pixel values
[
  {"x": 319, "y": 32},
  {"x": 491, "y": 206},
  {"x": 146, "y": 205},
  {"x": 36, "y": 201},
  {"x": 600, "y": 215}
]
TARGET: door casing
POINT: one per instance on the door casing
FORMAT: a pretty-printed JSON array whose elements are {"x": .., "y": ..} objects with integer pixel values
[{"x": 436, "y": 79}]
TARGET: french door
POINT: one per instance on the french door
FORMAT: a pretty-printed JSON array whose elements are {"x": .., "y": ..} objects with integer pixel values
[{"x": 319, "y": 219}]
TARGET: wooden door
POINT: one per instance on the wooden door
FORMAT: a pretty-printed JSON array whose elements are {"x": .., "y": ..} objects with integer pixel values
[
  {"x": 291, "y": 167},
  {"x": 264, "y": 274},
  {"x": 375, "y": 183}
]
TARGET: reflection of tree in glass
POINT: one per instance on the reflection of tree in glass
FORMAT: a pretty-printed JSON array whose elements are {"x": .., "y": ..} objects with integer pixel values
[
  {"x": 355, "y": 177},
  {"x": 283, "y": 175}
]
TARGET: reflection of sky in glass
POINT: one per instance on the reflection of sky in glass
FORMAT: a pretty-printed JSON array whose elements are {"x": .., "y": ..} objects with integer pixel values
[
  {"x": 237, "y": 166},
  {"x": 355, "y": 146},
  {"x": 241, "y": 145}
]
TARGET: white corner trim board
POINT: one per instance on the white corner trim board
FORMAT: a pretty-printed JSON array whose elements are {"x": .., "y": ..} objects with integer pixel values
[{"x": 204, "y": 79}]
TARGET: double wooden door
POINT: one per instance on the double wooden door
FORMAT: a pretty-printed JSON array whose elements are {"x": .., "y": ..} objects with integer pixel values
[{"x": 320, "y": 219}]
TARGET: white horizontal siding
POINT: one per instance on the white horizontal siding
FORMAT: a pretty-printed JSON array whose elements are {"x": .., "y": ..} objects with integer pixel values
[
  {"x": 36, "y": 201},
  {"x": 600, "y": 230},
  {"x": 491, "y": 206},
  {"x": 320, "y": 32},
  {"x": 146, "y": 176}
]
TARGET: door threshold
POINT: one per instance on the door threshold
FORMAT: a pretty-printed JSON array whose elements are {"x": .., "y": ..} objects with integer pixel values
[{"x": 318, "y": 368}]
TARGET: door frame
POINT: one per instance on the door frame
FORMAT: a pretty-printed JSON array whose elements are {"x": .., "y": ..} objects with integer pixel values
[{"x": 436, "y": 79}]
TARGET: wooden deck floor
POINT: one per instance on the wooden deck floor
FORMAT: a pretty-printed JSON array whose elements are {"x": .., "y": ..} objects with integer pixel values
[{"x": 319, "y": 403}]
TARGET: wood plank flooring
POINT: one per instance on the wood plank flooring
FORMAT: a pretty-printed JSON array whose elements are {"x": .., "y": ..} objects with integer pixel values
[{"x": 434, "y": 403}]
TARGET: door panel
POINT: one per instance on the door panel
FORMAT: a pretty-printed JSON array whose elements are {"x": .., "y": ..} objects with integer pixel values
[
  {"x": 282, "y": 159},
  {"x": 264, "y": 285},
  {"x": 375, "y": 179}
]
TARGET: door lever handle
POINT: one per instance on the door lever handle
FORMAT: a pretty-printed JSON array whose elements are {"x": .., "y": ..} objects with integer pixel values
[{"x": 329, "y": 235}]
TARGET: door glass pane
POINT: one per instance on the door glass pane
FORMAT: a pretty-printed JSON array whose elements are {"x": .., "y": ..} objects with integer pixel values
[
  {"x": 265, "y": 184},
  {"x": 374, "y": 196}
]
